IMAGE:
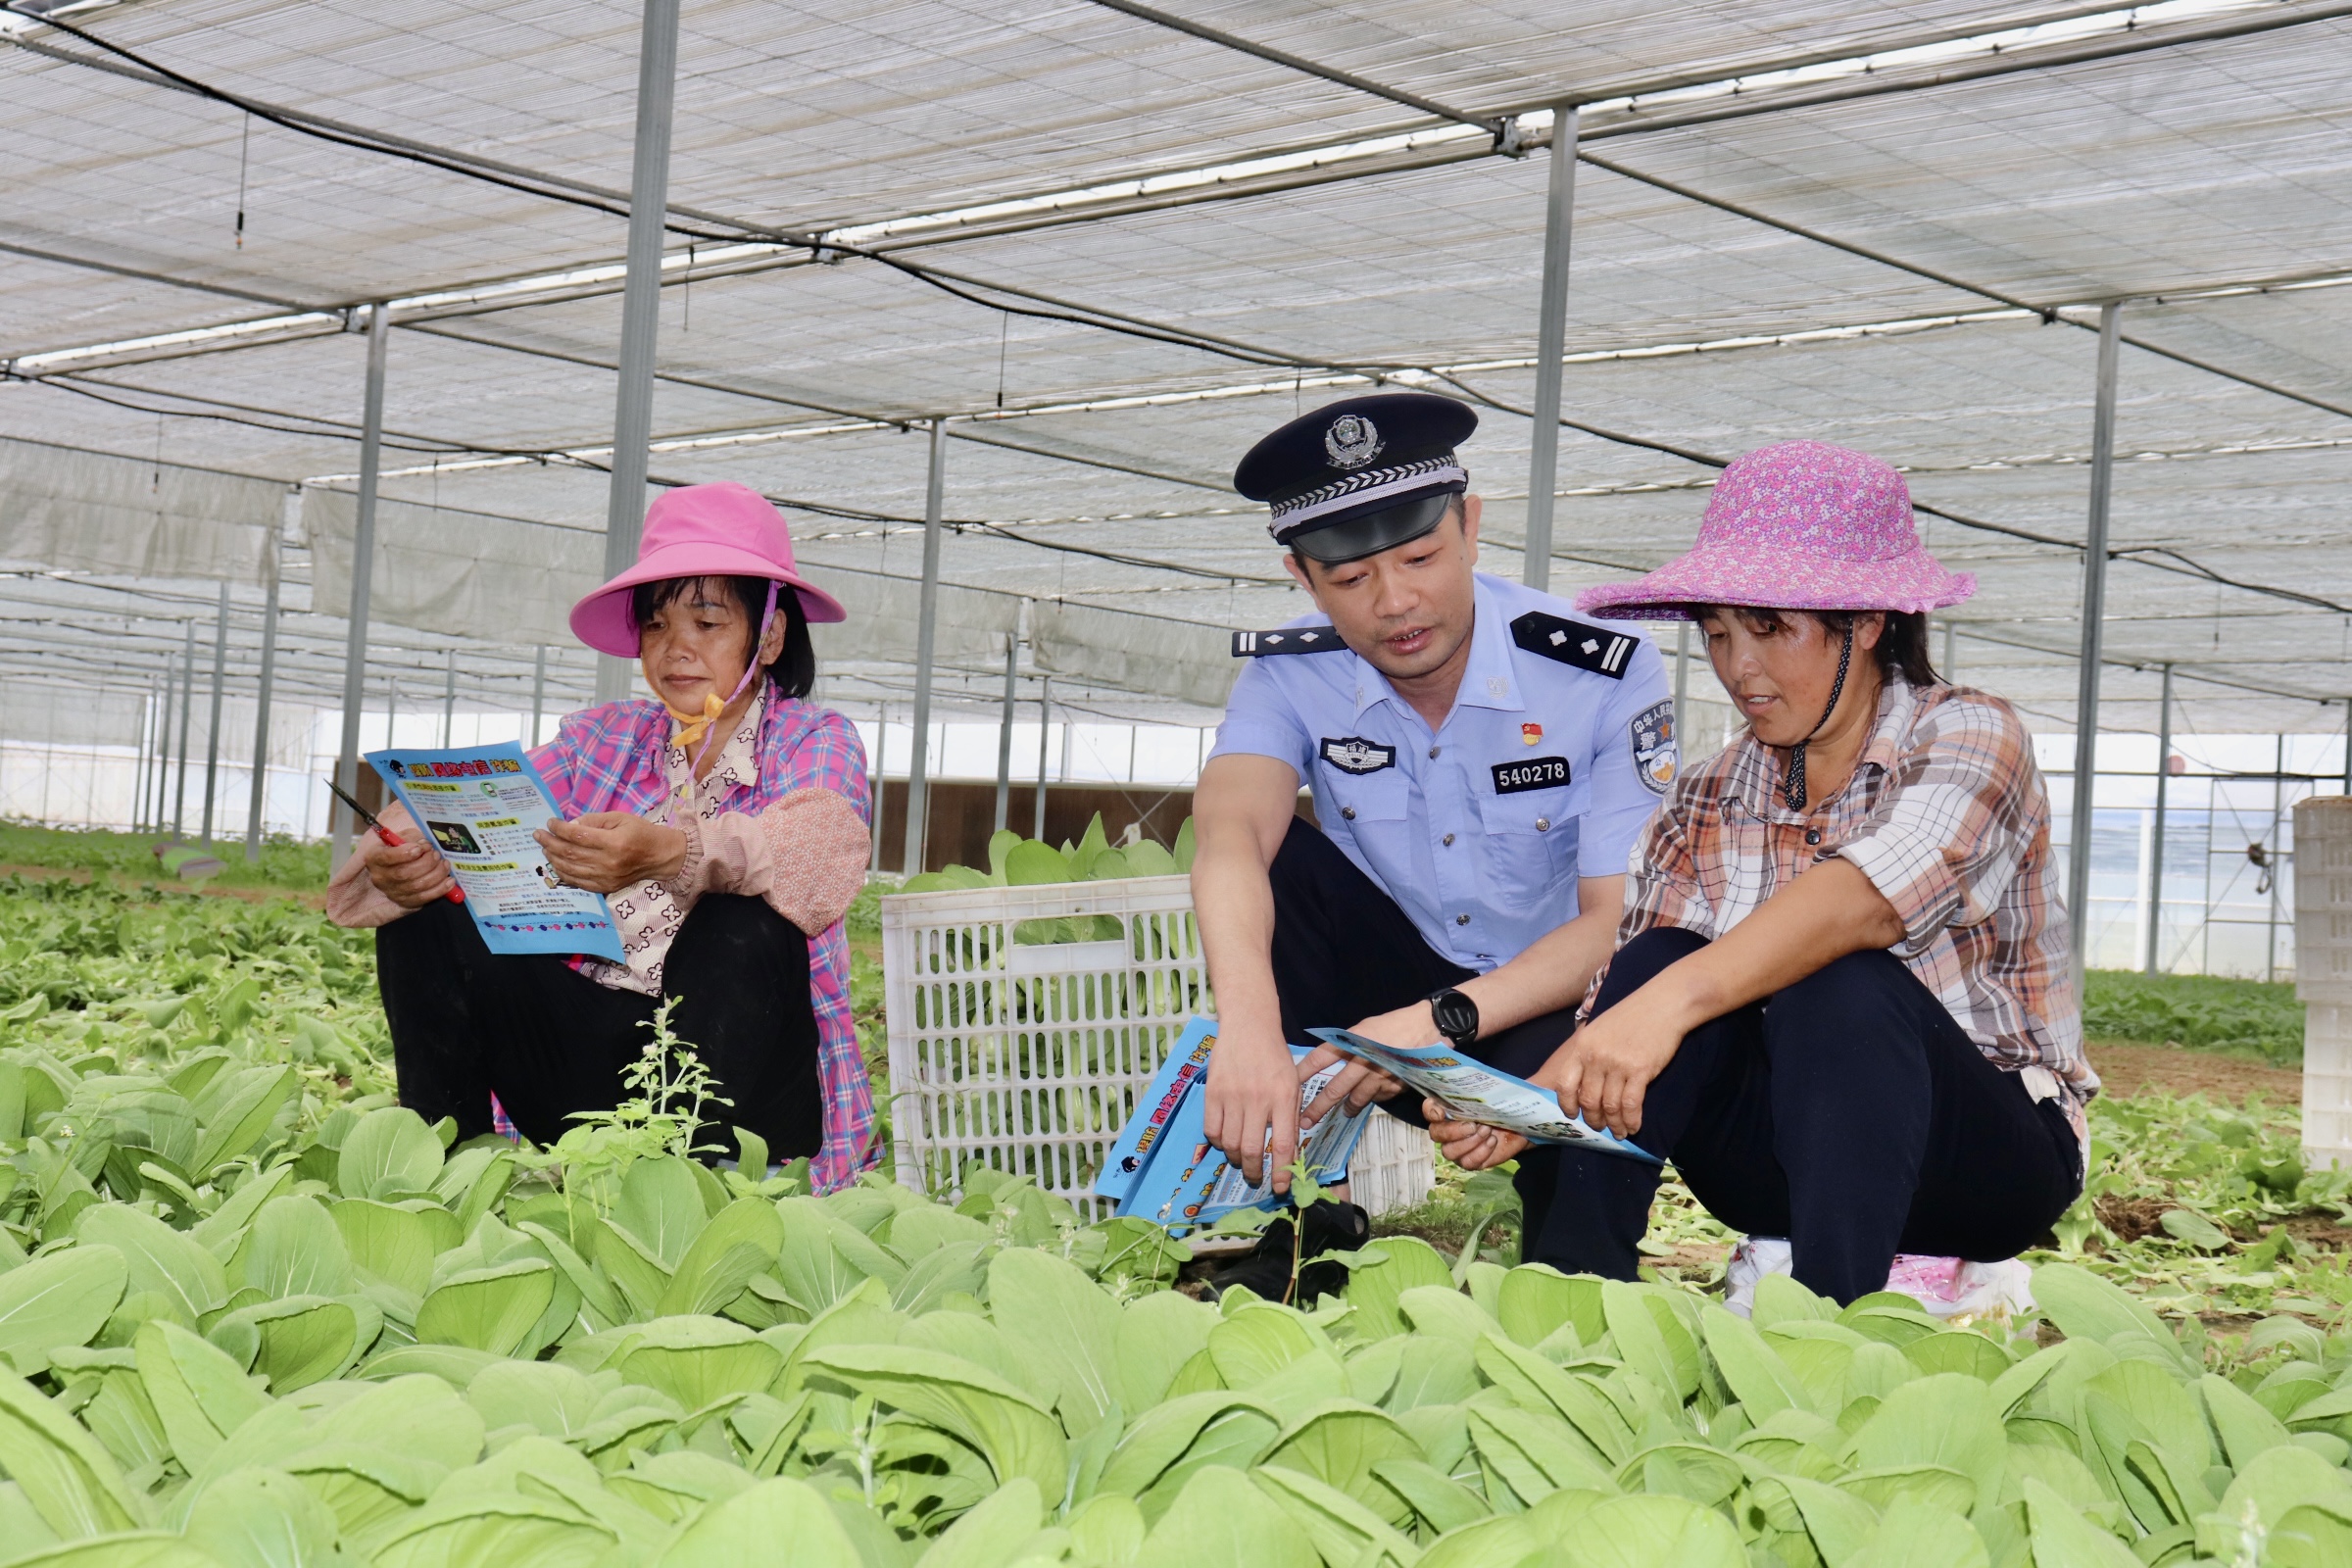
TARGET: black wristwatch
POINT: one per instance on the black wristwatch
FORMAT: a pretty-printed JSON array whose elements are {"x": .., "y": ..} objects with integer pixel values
[{"x": 1455, "y": 1016}]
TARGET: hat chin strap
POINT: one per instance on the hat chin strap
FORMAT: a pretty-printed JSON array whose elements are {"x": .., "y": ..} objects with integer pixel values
[
  {"x": 694, "y": 728},
  {"x": 1792, "y": 786}
]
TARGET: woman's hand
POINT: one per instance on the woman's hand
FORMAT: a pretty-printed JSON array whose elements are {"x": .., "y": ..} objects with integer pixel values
[
  {"x": 1605, "y": 1068},
  {"x": 410, "y": 873},
  {"x": 604, "y": 851},
  {"x": 1601, "y": 1073},
  {"x": 1471, "y": 1145},
  {"x": 1359, "y": 1084}
]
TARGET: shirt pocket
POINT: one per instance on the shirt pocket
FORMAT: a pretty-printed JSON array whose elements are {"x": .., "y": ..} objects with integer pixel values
[
  {"x": 1359, "y": 801},
  {"x": 1531, "y": 842}
]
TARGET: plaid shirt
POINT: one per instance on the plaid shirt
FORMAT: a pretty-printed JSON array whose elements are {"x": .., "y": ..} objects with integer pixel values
[
  {"x": 1947, "y": 814},
  {"x": 609, "y": 759}
]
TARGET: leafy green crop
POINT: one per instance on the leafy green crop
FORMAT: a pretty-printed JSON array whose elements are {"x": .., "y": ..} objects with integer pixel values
[
  {"x": 1016, "y": 862},
  {"x": 2243, "y": 1017},
  {"x": 252, "y": 1316}
]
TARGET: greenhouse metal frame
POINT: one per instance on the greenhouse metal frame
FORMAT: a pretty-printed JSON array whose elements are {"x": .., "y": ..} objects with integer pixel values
[{"x": 339, "y": 344}]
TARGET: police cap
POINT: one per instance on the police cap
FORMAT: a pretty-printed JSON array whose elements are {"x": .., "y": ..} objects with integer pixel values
[{"x": 1360, "y": 475}]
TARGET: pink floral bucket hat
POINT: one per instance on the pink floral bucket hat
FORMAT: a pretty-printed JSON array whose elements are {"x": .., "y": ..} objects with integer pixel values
[{"x": 1798, "y": 525}]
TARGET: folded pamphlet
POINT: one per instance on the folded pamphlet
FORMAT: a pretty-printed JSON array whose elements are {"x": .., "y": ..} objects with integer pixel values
[
  {"x": 1476, "y": 1092},
  {"x": 1161, "y": 1167},
  {"x": 481, "y": 805}
]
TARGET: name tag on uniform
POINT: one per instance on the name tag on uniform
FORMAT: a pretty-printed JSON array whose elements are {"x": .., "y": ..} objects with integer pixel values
[
  {"x": 1531, "y": 774},
  {"x": 1355, "y": 755}
]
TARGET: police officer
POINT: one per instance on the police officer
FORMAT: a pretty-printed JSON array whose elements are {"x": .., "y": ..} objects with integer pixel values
[{"x": 1481, "y": 760}]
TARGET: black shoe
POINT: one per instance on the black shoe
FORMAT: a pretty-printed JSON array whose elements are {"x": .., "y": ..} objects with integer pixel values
[{"x": 1330, "y": 1227}]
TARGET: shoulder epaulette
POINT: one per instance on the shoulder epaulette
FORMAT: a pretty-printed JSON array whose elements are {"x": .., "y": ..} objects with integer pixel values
[
  {"x": 1285, "y": 640},
  {"x": 1596, "y": 649}
]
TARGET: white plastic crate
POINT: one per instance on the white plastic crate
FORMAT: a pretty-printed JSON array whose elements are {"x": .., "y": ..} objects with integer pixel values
[
  {"x": 1394, "y": 1167},
  {"x": 2323, "y": 900},
  {"x": 1029, "y": 1054},
  {"x": 2328, "y": 1084}
]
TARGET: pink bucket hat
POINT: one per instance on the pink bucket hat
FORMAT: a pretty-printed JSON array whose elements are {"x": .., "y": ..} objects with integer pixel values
[
  {"x": 1798, "y": 525},
  {"x": 700, "y": 530}
]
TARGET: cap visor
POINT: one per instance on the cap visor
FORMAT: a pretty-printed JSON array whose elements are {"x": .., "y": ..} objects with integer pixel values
[{"x": 1355, "y": 538}]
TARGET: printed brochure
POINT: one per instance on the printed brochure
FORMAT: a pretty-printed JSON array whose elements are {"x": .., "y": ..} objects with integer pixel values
[
  {"x": 480, "y": 804},
  {"x": 1162, "y": 1168},
  {"x": 1478, "y": 1092}
]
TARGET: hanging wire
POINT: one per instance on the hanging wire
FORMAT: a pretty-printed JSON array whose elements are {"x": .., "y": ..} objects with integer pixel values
[
  {"x": 1003, "y": 338},
  {"x": 244, "y": 151}
]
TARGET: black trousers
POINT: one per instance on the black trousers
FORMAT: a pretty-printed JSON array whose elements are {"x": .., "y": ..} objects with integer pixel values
[
  {"x": 1345, "y": 952},
  {"x": 548, "y": 1041},
  {"x": 1847, "y": 1112}
]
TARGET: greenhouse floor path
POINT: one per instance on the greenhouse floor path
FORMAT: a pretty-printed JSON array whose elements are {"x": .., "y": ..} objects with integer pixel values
[{"x": 2126, "y": 1069}]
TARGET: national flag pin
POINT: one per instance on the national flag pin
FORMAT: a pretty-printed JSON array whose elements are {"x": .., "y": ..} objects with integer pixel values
[{"x": 1531, "y": 734}]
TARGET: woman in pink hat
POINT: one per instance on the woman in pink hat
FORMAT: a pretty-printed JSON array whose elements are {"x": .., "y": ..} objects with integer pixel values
[
  {"x": 1841, "y": 1000},
  {"x": 725, "y": 820}
]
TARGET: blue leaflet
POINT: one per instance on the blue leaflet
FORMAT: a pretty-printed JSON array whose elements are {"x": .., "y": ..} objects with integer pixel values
[
  {"x": 1161, "y": 1168},
  {"x": 1478, "y": 1092}
]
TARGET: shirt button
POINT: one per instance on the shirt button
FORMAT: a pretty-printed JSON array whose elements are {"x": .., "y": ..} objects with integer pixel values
[
  {"x": 1812, "y": 835},
  {"x": 1432, "y": 754},
  {"x": 1461, "y": 919},
  {"x": 1348, "y": 811},
  {"x": 1542, "y": 824},
  {"x": 1448, "y": 841}
]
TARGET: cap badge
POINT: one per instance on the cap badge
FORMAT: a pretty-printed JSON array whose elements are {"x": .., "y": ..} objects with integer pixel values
[
  {"x": 1531, "y": 734},
  {"x": 1351, "y": 441}
]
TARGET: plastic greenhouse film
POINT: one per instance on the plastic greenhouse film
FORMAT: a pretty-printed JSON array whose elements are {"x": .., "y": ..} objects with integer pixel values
[
  {"x": 481, "y": 804},
  {"x": 1476, "y": 1092}
]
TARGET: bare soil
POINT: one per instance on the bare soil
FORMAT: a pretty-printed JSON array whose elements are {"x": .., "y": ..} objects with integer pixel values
[{"x": 2125, "y": 1070}]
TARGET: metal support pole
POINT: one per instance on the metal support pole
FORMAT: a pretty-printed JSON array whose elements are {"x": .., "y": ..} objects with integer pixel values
[
  {"x": 538, "y": 689},
  {"x": 1682, "y": 687},
  {"x": 640, "y": 310},
  {"x": 1012, "y": 659},
  {"x": 187, "y": 693},
  {"x": 1045, "y": 729},
  {"x": 1951, "y": 652},
  {"x": 1551, "y": 341},
  {"x": 2094, "y": 615},
  {"x": 448, "y": 702},
  {"x": 138, "y": 768},
  {"x": 2164, "y": 776},
  {"x": 2348, "y": 746},
  {"x": 392, "y": 711},
  {"x": 918, "y": 792},
  {"x": 258, "y": 791},
  {"x": 2277, "y": 867},
  {"x": 362, "y": 570},
  {"x": 159, "y": 765},
  {"x": 212, "y": 728},
  {"x": 879, "y": 780}
]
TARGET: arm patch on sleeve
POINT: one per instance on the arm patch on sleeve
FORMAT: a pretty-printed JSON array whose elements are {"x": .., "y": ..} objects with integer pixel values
[
  {"x": 1657, "y": 750},
  {"x": 1594, "y": 649}
]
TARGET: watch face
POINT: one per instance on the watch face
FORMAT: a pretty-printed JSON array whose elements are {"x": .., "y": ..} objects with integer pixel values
[{"x": 1454, "y": 1014}]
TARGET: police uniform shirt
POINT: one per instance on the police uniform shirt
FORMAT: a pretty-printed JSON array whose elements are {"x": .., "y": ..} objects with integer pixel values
[{"x": 1559, "y": 746}]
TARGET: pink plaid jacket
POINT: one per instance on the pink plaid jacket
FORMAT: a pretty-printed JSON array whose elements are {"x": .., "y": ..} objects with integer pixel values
[{"x": 608, "y": 758}]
